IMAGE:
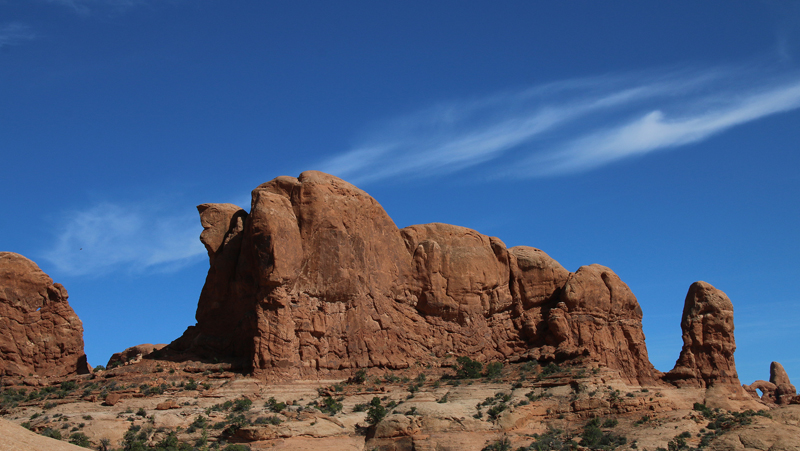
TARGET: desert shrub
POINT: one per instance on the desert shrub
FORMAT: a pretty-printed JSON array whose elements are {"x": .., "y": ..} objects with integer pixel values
[
  {"x": 594, "y": 438},
  {"x": 376, "y": 411},
  {"x": 494, "y": 369},
  {"x": 703, "y": 410},
  {"x": 360, "y": 377},
  {"x": 52, "y": 433},
  {"x": 330, "y": 406},
  {"x": 49, "y": 405},
  {"x": 390, "y": 378},
  {"x": 141, "y": 412},
  {"x": 236, "y": 448},
  {"x": 200, "y": 422},
  {"x": 361, "y": 407},
  {"x": 80, "y": 439},
  {"x": 550, "y": 369},
  {"x": 234, "y": 422},
  {"x": 496, "y": 410},
  {"x": 610, "y": 423},
  {"x": 11, "y": 398},
  {"x": 268, "y": 420},
  {"x": 242, "y": 405},
  {"x": 549, "y": 441},
  {"x": 190, "y": 385},
  {"x": 498, "y": 445},
  {"x": 274, "y": 405},
  {"x": 467, "y": 368}
]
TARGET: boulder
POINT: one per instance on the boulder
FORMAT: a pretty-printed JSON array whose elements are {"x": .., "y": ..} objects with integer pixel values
[
  {"x": 167, "y": 405},
  {"x": 41, "y": 334}
]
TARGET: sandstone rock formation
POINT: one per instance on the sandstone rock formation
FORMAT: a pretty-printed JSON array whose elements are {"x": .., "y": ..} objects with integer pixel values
[
  {"x": 779, "y": 390},
  {"x": 767, "y": 391},
  {"x": 784, "y": 390},
  {"x": 133, "y": 354},
  {"x": 317, "y": 278},
  {"x": 706, "y": 358},
  {"x": 41, "y": 334}
]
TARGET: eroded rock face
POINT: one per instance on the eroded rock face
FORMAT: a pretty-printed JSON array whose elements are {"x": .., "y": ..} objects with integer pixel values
[
  {"x": 41, "y": 334},
  {"x": 133, "y": 354},
  {"x": 317, "y": 278},
  {"x": 784, "y": 390},
  {"x": 706, "y": 358},
  {"x": 779, "y": 390},
  {"x": 599, "y": 316}
]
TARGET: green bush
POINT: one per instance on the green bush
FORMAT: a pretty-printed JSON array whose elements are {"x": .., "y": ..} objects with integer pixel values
[
  {"x": 499, "y": 445},
  {"x": 550, "y": 369},
  {"x": 376, "y": 411},
  {"x": 595, "y": 438},
  {"x": 52, "y": 433},
  {"x": 80, "y": 439},
  {"x": 360, "y": 377},
  {"x": 468, "y": 368},
  {"x": 330, "y": 406},
  {"x": 494, "y": 369},
  {"x": 242, "y": 405},
  {"x": 274, "y": 405}
]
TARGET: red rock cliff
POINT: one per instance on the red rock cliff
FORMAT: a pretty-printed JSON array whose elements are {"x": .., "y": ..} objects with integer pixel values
[
  {"x": 41, "y": 334},
  {"x": 318, "y": 278}
]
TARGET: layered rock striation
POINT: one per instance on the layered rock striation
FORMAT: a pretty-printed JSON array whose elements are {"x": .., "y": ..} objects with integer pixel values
[
  {"x": 317, "y": 278},
  {"x": 41, "y": 334}
]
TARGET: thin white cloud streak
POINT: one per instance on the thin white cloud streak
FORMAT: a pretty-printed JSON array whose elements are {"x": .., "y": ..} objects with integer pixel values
[
  {"x": 15, "y": 33},
  {"x": 568, "y": 126},
  {"x": 654, "y": 131},
  {"x": 109, "y": 237}
]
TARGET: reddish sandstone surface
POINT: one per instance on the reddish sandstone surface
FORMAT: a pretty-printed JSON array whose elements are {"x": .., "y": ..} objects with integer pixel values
[
  {"x": 706, "y": 358},
  {"x": 317, "y": 278},
  {"x": 41, "y": 334}
]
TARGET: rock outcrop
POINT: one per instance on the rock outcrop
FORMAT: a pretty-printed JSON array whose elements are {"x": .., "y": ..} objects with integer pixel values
[
  {"x": 706, "y": 358},
  {"x": 41, "y": 334},
  {"x": 779, "y": 390},
  {"x": 133, "y": 354},
  {"x": 784, "y": 390},
  {"x": 317, "y": 278}
]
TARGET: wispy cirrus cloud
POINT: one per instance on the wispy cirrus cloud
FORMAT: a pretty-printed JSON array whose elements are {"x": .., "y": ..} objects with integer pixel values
[
  {"x": 15, "y": 33},
  {"x": 568, "y": 126},
  {"x": 111, "y": 237}
]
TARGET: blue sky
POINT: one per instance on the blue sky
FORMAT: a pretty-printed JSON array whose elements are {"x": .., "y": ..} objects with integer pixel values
[{"x": 657, "y": 138}]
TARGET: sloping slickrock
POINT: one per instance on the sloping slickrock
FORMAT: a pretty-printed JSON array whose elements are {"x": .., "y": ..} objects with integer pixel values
[
  {"x": 16, "y": 438},
  {"x": 317, "y": 278},
  {"x": 706, "y": 358},
  {"x": 41, "y": 334}
]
